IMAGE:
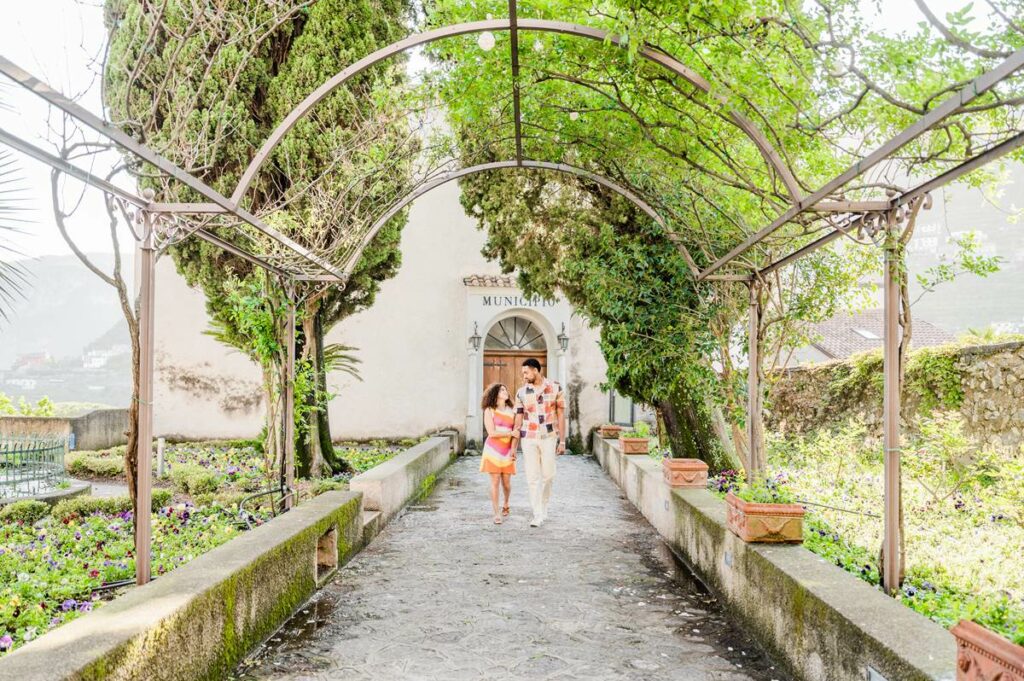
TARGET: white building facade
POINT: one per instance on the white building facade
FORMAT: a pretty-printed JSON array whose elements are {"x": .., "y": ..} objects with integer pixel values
[{"x": 438, "y": 333}]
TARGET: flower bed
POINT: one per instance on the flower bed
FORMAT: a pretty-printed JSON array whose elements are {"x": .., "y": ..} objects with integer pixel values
[
  {"x": 53, "y": 571},
  {"x": 56, "y": 565},
  {"x": 963, "y": 514},
  {"x": 230, "y": 466},
  {"x": 207, "y": 467},
  {"x": 362, "y": 458}
]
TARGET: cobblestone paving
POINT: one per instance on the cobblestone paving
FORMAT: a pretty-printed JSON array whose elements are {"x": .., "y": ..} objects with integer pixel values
[{"x": 445, "y": 594}]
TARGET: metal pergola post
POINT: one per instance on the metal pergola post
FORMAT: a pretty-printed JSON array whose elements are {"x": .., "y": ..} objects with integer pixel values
[
  {"x": 755, "y": 415},
  {"x": 288, "y": 463},
  {"x": 144, "y": 446},
  {"x": 891, "y": 410}
]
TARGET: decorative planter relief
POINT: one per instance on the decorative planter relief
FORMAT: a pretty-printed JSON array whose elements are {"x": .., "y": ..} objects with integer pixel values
[
  {"x": 685, "y": 472},
  {"x": 757, "y": 522},
  {"x": 634, "y": 445},
  {"x": 609, "y": 430},
  {"x": 983, "y": 655}
]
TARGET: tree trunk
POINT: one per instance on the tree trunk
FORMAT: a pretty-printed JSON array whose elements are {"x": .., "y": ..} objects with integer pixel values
[
  {"x": 322, "y": 414},
  {"x": 691, "y": 432},
  {"x": 313, "y": 354},
  {"x": 131, "y": 461}
]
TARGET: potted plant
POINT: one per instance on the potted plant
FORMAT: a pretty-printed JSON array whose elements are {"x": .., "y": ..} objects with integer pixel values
[
  {"x": 764, "y": 512},
  {"x": 609, "y": 430},
  {"x": 685, "y": 472},
  {"x": 982, "y": 654},
  {"x": 637, "y": 440}
]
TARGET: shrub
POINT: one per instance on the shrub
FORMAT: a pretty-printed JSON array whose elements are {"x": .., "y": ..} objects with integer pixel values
[
  {"x": 81, "y": 507},
  {"x": 766, "y": 491},
  {"x": 943, "y": 461},
  {"x": 28, "y": 511},
  {"x": 93, "y": 465},
  {"x": 639, "y": 429},
  {"x": 328, "y": 485},
  {"x": 1010, "y": 485},
  {"x": 194, "y": 479}
]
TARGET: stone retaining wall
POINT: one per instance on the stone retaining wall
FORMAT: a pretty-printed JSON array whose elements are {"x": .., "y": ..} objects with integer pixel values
[
  {"x": 387, "y": 488},
  {"x": 200, "y": 620},
  {"x": 823, "y": 623},
  {"x": 991, "y": 378},
  {"x": 100, "y": 429}
]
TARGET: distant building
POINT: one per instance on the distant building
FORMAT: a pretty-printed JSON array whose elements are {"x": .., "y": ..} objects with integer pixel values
[
  {"x": 849, "y": 334},
  {"x": 448, "y": 325},
  {"x": 96, "y": 359},
  {"x": 31, "y": 359}
]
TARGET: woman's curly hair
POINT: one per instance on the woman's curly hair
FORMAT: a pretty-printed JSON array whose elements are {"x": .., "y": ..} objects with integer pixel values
[{"x": 490, "y": 399}]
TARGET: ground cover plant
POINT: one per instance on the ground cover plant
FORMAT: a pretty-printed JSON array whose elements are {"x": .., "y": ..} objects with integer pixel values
[
  {"x": 963, "y": 513},
  {"x": 57, "y": 565},
  {"x": 362, "y": 457},
  {"x": 226, "y": 468}
]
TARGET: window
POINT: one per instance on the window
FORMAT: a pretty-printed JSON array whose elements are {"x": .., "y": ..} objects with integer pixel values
[
  {"x": 620, "y": 409},
  {"x": 515, "y": 333},
  {"x": 864, "y": 333}
]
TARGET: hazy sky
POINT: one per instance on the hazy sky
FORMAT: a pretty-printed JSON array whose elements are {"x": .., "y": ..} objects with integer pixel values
[{"x": 60, "y": 42}]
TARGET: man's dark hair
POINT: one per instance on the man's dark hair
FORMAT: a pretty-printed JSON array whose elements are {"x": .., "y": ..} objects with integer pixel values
[{"x": 532, "y": 363}]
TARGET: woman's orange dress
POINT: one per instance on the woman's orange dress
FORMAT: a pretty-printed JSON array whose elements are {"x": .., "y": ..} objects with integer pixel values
[{"x": 497, "y": 454}]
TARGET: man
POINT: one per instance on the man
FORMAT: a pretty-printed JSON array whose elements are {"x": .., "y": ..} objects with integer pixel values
[{"x": 540, "y": 421}]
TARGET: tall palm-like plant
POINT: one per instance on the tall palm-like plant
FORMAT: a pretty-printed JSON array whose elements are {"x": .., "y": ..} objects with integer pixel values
[{"x": 12, "y": 208}]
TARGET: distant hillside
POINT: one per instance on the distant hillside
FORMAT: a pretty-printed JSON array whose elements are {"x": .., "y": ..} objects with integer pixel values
[{"x": 66, "y": 307}]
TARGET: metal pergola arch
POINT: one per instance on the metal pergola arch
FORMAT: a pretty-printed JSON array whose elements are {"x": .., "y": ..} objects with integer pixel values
[
  {"x": 564, "y": 168},
  {"x": 153, "y": 213},
  {"x": 513, "y": 25}
]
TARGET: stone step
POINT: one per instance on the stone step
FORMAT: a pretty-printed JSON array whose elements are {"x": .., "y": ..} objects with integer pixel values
[{"x": 373, "y": 522}]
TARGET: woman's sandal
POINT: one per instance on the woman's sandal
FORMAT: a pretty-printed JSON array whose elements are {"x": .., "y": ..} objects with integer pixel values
[
  {"x": 497, "y": 520},
  {"x": 505, "y": 510}
]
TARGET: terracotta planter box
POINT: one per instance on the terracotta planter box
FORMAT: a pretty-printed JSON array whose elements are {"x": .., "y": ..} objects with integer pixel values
[
  {"x": 756, "y": 522},
  {"x": 983, "y": 655},
  {"x": 609, "y": 431},
  {"x": 634, "y": 445},
  {"x": 685, "y": 472}
]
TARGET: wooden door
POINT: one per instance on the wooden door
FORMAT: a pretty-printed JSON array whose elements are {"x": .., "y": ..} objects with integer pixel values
[{"x": 504, "y": 366}]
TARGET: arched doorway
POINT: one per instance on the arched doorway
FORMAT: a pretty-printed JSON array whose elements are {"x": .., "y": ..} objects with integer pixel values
[{"x": 509, "y": 342}]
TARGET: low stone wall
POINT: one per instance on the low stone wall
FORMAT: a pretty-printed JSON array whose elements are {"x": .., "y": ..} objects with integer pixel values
[
  {"x": 42, "y": 426},
  {"x": 200, "y": 620},
  {"x": 387, "y": 488},
  {"x": 823, "y": 623},
  {"x": 988, "y": 381},
  {"x": 98, "y": 429}
]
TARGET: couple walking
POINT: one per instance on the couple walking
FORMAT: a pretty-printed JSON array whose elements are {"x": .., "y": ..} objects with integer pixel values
[{"x": 537, "y": 419}]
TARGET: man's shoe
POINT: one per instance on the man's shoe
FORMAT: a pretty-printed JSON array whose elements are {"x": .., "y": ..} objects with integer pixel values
[{"x": 536, "y": 522}]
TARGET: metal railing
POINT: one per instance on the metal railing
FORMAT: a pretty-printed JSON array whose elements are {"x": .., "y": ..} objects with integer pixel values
[{"x": 30, "y": 466}]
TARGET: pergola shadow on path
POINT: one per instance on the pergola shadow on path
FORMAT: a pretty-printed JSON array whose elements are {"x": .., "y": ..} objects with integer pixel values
[{"x": 161, "y": 224}]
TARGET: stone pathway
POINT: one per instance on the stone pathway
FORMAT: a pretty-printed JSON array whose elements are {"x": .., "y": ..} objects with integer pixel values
[
  {"x": 105, "y": 488},
  {"x": 445, "y": 594}
]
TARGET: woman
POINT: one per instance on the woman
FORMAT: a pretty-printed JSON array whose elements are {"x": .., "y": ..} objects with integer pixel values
[{"x": 499, "y": 455}]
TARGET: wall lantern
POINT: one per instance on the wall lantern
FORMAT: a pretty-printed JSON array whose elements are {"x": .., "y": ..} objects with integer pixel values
[
  {"x": 475, "y": 339},
  {"x": 563, "y": 339}
]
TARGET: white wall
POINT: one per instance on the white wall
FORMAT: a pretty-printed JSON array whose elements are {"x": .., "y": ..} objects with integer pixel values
[
  {"x": 413, "y": 344},
  {"x": 203, "y": 389}
]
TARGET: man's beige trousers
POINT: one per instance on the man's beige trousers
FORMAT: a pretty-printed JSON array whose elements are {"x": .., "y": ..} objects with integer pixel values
[{"x": 539, "y": 455}]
